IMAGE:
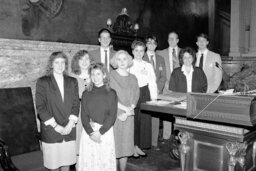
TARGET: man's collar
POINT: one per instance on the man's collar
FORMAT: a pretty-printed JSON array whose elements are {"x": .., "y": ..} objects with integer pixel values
[
  {"x": 204, "y": 51},
  {"x": 171, "y": 48},
  {"x": 103, "y": 49},
  {"x": 150, "y": 53}
]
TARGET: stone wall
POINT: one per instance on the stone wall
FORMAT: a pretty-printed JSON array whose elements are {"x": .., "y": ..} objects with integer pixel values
[{"x": 23, "y": 61}]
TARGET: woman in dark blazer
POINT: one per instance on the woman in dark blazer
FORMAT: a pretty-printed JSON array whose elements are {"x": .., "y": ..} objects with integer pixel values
[
  {"x": 57, "y": 103},
  {"x": 188, "y": 78}
]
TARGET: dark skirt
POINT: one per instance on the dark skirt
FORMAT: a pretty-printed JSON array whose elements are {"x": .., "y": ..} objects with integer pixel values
[{"x": 142, "y": 122}]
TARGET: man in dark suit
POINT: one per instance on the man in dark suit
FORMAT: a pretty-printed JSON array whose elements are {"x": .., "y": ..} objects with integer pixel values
[
  {"x": 158, "y": 64},
  {"x": 171, "y": 58},
  {"x": 104, "y": 53}
]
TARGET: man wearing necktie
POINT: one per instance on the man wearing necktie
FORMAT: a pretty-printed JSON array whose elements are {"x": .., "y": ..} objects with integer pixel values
[
  {"x": 160, "y": 71},
  {"x": 104, "y": 53},
  {"x": 210, "y": 63},
  {"x": 171, "y": 58}
]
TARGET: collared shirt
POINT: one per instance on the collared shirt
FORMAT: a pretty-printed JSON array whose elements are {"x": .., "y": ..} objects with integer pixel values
[
  {"x": 170, "y": 49},
  {"x": 198, "y": 56},
  {"x": 188, "y": 77},
  {"x": 145, "y": 75},
  {"x": 102, "y": 56}
]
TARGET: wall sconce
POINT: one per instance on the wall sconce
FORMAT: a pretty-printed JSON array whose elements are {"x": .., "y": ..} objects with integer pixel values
[{"x": 109, "y": 23}]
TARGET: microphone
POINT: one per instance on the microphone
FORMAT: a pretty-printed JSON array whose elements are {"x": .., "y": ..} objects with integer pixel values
[
  {"x": 221, "y": 68},
  {"x": 218, "y": 66}
]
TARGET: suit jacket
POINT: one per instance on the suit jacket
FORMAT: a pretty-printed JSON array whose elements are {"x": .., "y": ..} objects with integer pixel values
[
  {"x": 176, "y": 63},
  {"x": 49, "y": 105},
  {"x": 160, "y": 71},
  {"x": 212, "y": 72},
  {"x": 95, "y": 56},
  {"x": 178, "y": 81}
]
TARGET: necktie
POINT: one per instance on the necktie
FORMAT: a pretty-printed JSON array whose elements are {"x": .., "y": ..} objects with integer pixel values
[
  {"x": 174, "y": 53},
  {"x": 172, "y": 59},
  {"x": 152, "y": 61},
  {"x": 106, "y": 59},
  {"x": 201, "y": 61}
]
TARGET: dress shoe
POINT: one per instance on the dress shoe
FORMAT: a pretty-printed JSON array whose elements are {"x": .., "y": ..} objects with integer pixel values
[
  {"x": 136, "y": 156},
  {"x": 165, "y": 141},
  {"x": 144, "y": 155}
]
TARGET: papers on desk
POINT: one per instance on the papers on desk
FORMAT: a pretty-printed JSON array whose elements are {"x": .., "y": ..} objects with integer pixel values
[
  {"x": 173, "y": 96},
  {"x": 182, "y": 105},
  {"x": 159, "y": 102}
]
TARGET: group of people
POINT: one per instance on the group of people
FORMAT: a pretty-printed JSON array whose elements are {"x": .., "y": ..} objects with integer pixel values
[{"x": 92, "y": 115}]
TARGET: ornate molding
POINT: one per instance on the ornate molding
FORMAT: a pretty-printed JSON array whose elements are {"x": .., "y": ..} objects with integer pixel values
[
  {"x": 184, "y": 147},
  {"x": 237, "y": 152}
]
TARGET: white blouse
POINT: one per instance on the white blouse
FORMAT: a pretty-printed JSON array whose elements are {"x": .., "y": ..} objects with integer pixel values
[
  {"x": 189, "y": 77},
  {"x": 145, "y": 75}
]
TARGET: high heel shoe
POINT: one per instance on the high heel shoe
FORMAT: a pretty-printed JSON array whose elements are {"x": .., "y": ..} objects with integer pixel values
[
  {"x": 143, "y": 155},
  {"x": 136, "y": 156}
]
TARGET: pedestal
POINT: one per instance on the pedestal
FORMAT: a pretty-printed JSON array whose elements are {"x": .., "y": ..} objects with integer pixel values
[{"x": 212, "y": 147}]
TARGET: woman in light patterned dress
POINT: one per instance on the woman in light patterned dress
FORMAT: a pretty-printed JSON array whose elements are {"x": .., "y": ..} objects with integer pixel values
[
  {"x": 98, "y": 115},
  {"x": 127, "y": 89}
]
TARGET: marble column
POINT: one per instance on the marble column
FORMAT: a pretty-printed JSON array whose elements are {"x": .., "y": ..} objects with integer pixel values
[
  {"x": 237, "y": 28},
  {"x": 252, "y": 49}
]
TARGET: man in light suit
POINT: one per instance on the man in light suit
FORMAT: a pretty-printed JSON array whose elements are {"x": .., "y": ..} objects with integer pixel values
[
  {"x": 171, "y": 58},
  {"x": 158, "y": 64},
  {"x": 104, "y": 53},
  {"x": 210, "y": 62}
]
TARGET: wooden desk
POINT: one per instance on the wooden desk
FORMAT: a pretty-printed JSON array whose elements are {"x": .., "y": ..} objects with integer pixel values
[
  {"x": 211, "y": 146},
  {"x": 168, "y": 109}
]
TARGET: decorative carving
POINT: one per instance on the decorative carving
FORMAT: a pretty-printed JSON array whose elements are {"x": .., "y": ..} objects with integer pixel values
[
  {"x": 50, "y": 7},
  {"x": 237, "y": 152},
  {"x": 123, "y": 31},
  {"x": 184, "y": 147},
  {"x": 253, "y": 157},
  {"x": 123, "y": 24}
]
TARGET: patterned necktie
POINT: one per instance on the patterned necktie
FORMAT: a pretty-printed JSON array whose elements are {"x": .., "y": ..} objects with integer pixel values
[
  {"x": 201, "y": 61},
  {"x": 174, "y": 53},
  {"x": 106, "y": 59},
  {"x": 152, "y": 61}
]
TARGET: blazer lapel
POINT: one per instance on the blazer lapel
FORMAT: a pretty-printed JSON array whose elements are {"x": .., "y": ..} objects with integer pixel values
[
  {"x": 145, "y": 57},
  {"x": 167, "y": 59}
]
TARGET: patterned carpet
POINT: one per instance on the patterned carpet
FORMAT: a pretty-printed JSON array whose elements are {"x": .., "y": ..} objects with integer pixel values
[{"x": 155, "y": 161}]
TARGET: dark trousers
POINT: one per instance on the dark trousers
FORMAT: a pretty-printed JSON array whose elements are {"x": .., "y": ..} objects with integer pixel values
[{"x": 142, "y": 122}]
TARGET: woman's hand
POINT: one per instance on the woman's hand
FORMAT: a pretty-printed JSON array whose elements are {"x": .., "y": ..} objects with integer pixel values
[
  {"x": 96, "y": 137},
  {"x": 59, "y": 129},
  {"x": 129, "y": 111},
  {"x": 122, "y": 117},
  {"x": 68, "y": 127}
]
